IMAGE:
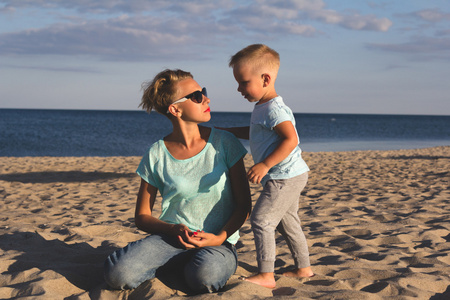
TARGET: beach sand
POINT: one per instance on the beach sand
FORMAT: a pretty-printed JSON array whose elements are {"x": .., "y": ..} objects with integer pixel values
[{"x": 377, "y": 224}]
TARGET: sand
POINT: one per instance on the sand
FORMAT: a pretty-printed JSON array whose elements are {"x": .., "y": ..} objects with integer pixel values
[{"x": 377, "y": 224}]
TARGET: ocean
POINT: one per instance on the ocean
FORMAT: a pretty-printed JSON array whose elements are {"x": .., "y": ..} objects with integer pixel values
[{"x": 33, "y": 132}]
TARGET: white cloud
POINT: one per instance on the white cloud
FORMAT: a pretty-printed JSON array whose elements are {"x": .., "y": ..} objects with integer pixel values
[
  {"x": 432, "y": 15},
  {"x": 291, "y": 17},
  {"x": 443, "y": 32},
  {"x": 306, "y": 5},
  {"x": 299, "y": 29},
  {"x": 419, "y": 48},
  {"x": 327, "y": 16},
  {"x": 139, "y": 29},
  {"x": 83, "y": 6},
  {"x": 53, "y": 69},
  {"x": 120, "y": 6},
  {"x": 355, "y": 21},
  {"x": 122, "y": 38},
  {"x": 277, "y": 13},
  {"x": 372, "y": 23}
]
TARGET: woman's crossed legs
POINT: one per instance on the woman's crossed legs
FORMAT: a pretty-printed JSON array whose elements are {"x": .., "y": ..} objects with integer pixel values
[{"x": 205, "y": 270}]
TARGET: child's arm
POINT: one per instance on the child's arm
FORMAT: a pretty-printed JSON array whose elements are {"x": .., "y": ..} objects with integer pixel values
[
  {"x": 239, "y": 132},
  {"x": 286, "y": 131}
]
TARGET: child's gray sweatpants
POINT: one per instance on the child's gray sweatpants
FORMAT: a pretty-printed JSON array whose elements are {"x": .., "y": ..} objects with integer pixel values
[{"x": 277, "y": 208}]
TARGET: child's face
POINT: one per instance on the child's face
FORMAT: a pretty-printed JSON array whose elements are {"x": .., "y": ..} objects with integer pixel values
[{"x": 250, "y": 83}]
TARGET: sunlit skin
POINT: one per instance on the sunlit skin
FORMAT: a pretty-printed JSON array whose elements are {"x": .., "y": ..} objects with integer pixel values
[{"x": 188, "y": 138}]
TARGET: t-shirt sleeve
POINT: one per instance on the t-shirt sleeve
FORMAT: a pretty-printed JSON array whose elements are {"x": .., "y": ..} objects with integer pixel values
[
  {"x": 278, "y": 116},
  {"x": 233, "y": 148},
  {"x": 145, "y": 171}
]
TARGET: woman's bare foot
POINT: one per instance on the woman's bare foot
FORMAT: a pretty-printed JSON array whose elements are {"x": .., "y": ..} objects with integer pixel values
[
  {"x": 301, "y": 272},
  {"x": 264, "y": 279}
]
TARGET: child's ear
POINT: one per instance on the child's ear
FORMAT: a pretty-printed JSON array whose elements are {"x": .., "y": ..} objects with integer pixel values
[{"x": 266, "y": 79}]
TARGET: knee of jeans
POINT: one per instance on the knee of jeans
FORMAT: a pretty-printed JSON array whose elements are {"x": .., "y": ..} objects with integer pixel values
[
  {"x": 112, "y": 276},
  {"x": 209, "y": 273},
  {"x": 117, "y": 277},
  {"x": 201, "y": 279}
]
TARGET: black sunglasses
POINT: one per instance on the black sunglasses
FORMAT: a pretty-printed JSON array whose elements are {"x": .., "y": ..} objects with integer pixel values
[{"x": 196, "y": 96}]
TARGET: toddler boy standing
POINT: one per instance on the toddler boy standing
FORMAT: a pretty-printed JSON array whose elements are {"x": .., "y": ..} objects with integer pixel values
[{"x": 278, "y": 163}]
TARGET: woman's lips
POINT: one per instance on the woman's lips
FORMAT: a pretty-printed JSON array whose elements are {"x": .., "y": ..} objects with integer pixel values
[{"x": 208, "y": 110}]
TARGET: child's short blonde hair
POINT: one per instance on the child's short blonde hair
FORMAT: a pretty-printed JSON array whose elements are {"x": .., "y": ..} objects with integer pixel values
[
  {"x": 160, "y": 92},
  {"x": 260, "y": 56}
]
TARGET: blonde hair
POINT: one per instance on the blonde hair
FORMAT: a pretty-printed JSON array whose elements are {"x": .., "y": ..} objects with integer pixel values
[
  {"x": 160, "y": 92},
  {"x": 261, "y": 57}
]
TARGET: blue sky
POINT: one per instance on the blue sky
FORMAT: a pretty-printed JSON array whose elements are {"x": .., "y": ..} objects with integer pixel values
[{"x": 388, "y": 57}]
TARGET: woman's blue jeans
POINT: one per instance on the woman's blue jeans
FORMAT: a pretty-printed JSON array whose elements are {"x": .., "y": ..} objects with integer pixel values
[{"x": 205, "y": 269}]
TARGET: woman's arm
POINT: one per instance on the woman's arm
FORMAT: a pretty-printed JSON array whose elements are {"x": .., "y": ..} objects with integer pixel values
[
  {"x": 143, "y": 213},
  {"x": 242, "y": 198},
  {"x": 243, "y": 201}
]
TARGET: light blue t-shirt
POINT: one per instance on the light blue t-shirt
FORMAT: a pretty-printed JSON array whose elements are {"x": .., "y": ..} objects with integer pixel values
[
  {"x": 264, "y": 139},
  {"x": 195, "y": 191}
]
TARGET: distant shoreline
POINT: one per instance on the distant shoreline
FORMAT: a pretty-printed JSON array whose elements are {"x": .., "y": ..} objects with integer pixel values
[
  {"x": 227, "y": 112},
  {"x": 124, "y": 133}
]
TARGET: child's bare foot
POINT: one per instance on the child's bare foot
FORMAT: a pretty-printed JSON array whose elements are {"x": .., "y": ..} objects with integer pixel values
[
  {"x": 301, "y": 272},
  {"x": 264, "y": 279}
]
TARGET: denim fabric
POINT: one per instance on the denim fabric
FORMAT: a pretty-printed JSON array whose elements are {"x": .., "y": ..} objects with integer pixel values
[{"x": 205, "y": 270}]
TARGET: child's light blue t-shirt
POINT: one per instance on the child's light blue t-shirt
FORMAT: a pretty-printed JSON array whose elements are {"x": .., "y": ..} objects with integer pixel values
[
  {"x": 264, "y": 139},
  {"x": 195, "y": 191}
]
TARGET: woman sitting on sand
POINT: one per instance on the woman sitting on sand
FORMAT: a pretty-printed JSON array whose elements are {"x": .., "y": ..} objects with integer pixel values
[{"x": 200, "y": 174}]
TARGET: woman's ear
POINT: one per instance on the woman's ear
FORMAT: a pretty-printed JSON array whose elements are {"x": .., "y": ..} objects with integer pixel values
[{"x": 173, "y": 110}]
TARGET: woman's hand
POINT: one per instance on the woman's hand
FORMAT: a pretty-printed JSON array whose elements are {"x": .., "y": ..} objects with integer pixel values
[
  {"x": 179, "y": 229},
  {"x": 199, "y": 239},
  {"x": 184, "y": 235}
]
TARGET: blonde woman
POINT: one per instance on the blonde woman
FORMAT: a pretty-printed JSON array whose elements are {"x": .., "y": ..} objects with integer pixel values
[{"x": 200, "y": 174}]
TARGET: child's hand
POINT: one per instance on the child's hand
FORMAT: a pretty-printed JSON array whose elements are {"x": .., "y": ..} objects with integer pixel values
[{"x": 257, "y": 172}]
